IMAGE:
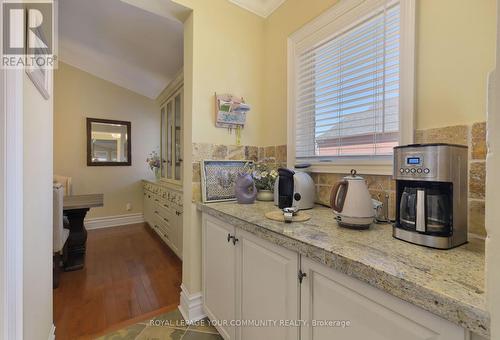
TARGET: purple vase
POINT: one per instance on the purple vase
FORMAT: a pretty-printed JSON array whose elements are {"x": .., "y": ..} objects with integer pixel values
[{"x": 245, "y": 190}]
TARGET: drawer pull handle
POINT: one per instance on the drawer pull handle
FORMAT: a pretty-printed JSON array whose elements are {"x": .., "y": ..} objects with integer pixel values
[
  {"x": 302, "y": 275},
  {"x": 229, "y": 237}
]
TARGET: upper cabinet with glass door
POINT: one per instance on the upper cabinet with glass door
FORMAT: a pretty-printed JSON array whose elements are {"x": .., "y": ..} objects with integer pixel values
[{"x": 171, "y": 134}]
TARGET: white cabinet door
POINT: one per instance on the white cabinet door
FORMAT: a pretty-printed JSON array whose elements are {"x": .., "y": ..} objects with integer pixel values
[
  {"x": 267, "y": 288},
  {"x": 148, "y": 209},
  {"x": 179, "y": 233},
  {"x": 218, "y": 258},
  {"x": 328, "y": 295}
]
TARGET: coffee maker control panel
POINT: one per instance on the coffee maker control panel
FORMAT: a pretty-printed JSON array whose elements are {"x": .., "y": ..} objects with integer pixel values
[{"x": 416, "y": 165}]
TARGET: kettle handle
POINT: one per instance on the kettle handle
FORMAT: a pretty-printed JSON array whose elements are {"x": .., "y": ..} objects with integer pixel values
[{"x": 333, "y": 197}]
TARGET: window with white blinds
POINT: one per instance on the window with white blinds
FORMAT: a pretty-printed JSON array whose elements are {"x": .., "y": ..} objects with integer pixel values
[{"x": 347, "y": 90}]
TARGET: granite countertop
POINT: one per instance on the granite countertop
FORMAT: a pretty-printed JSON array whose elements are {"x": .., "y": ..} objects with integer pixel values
[
  {"x": 448, "y": 283},
  {"x": 164, "y": 184},
  {"x": 74, "y": 202}
]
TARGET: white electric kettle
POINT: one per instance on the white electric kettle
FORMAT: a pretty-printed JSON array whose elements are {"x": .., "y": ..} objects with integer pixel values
[{"x": 352, "y": 203}]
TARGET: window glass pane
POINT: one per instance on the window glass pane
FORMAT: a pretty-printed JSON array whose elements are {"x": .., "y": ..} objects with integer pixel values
[
  {"x": 168, "y": 146},
  {"x": 163, "y": 142},
  {"x": 348, "y": 91},
  {"x": 177, "y": 146}
]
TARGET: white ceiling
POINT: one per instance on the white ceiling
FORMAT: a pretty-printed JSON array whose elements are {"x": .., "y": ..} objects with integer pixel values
[
  {"x": 264, "y": 8},
  {"x": 136, "y": 44}
]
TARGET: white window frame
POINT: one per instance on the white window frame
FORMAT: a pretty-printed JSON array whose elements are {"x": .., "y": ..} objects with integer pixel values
[{"x": 344, "y": 13}]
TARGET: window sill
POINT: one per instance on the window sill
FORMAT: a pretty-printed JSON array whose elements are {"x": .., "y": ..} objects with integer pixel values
[{"x": 384, "y": 168}]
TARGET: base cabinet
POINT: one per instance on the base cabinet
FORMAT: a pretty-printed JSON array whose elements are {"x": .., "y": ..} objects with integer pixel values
[
  {"x": 246, "y": 278},
  {"x": 347, "y": 309},
  {"x": 219, "y": 275},
  {"x": 148, "y": 207},
  {"x": 163, "y": 213},
  {"x": 267, "y": 288}
]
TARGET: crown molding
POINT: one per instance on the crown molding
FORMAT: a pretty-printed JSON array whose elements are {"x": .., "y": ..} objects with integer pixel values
[{"x": 261, "y": 8}]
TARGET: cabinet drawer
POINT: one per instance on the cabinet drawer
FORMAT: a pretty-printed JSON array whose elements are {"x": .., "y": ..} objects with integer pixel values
[
  {"x": 164, "y": 232},
  {"x": 166, "y": 210},
  {"x": 156, "y": 228},
  {"x": 163, "y": 224},
  {"x": 160, "y": 218}
]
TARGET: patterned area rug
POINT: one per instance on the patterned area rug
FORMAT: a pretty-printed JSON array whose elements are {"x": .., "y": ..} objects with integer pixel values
[{"x": 168, "y": 326}]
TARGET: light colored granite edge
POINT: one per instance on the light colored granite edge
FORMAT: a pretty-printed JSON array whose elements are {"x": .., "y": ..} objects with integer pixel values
[
  {"x": 163, "y": 184},
  {"x": 458, "y": 312}
]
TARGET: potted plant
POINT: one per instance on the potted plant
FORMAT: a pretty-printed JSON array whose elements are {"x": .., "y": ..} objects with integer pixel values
[
  {"x": 264, "y": 175},
  {"x": 154, "y": 163}
]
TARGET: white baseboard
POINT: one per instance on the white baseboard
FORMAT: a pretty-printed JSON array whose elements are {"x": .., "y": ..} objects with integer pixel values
[
  {"x": 191, "y": 306},
  {"x": 52, "y": 333},
  {"x": 113, "y": 221}
]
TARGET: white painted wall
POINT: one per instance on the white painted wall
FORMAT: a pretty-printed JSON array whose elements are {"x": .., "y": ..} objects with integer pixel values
[
  {"x": 493, "y": 196},
  {"x": 78, "y": 95},
  {"x": 37, "y": 205}
]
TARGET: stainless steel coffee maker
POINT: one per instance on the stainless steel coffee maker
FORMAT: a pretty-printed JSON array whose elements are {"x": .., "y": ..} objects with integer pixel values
[{"x": 431, "y": 194}]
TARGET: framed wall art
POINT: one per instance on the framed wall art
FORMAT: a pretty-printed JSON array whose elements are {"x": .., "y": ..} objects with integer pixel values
[{"x": 218, "y": 179}]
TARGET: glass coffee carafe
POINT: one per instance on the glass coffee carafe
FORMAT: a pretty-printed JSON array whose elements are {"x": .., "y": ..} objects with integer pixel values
[
  {"x": 408, "y": 206},
  {"x": 431, "y": 203},
  {"x": 437, "y": 212}
]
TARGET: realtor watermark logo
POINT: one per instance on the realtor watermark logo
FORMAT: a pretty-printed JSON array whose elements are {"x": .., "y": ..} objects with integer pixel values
[{"x": 29, "y": 38}]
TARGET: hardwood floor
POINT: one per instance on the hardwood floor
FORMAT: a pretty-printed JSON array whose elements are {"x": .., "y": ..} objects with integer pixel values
[{"x": 129, "y": 272}]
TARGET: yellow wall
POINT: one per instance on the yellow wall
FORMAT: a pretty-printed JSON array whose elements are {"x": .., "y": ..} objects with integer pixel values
[
  {"x": 288, "y": 18},
  {"x": 227, "y": 58},
  {"x": 222, "y": 53},
  {"x": 191, "y": 248},
  {"x": 78, "y": 95},
  {"x": 455, "y": 52},
  {"x": 228, "y": 49},
  {"x": 239, "y": 52},
  {"x": 37, "y": 212}
]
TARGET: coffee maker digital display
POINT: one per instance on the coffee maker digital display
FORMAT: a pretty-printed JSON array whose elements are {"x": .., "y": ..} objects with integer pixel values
[
  {"x": 431, "y": 194},
  {"x": 413, "y": 161}
]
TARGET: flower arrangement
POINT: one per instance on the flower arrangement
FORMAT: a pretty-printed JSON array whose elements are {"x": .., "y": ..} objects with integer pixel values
[
  {"x": 263, "y": 173},
  {"x": 153, "y": 161}
]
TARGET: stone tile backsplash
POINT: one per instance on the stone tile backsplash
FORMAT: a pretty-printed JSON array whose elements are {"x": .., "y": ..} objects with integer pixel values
[
  {"x": 203, "y": 151},
  {"x": 378, "y": 186},
  {"x": 451, "y": 134},
  {"x": 474, "y": 136},
  {"x": 478, "y": 141}
]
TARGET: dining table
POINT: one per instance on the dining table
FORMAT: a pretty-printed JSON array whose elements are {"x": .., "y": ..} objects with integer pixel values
[{"x": 75, "y": 208}]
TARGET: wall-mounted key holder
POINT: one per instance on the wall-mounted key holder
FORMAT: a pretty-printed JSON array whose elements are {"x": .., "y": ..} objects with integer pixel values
[{"x": 230, "y": 113}]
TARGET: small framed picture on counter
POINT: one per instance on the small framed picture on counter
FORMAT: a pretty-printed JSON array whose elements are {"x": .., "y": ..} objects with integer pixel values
[{"x": 218, "y": 179}]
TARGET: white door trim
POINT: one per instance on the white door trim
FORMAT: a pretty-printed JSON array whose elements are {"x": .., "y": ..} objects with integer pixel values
[
  {"x": 11, "y": 210},
  {"x": 191, "y": 306},
  {"x": 12, "y": 183}
]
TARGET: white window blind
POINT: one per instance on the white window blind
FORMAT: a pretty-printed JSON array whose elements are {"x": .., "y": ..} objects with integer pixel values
[{"x": 347, "y": 90}]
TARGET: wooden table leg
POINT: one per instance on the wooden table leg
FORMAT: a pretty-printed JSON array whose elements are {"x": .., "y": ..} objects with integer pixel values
[{"x": 77, "y": 239}]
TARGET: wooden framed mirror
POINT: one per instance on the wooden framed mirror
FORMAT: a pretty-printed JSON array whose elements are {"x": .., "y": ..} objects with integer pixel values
[{"x": 109, "y": 142}]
